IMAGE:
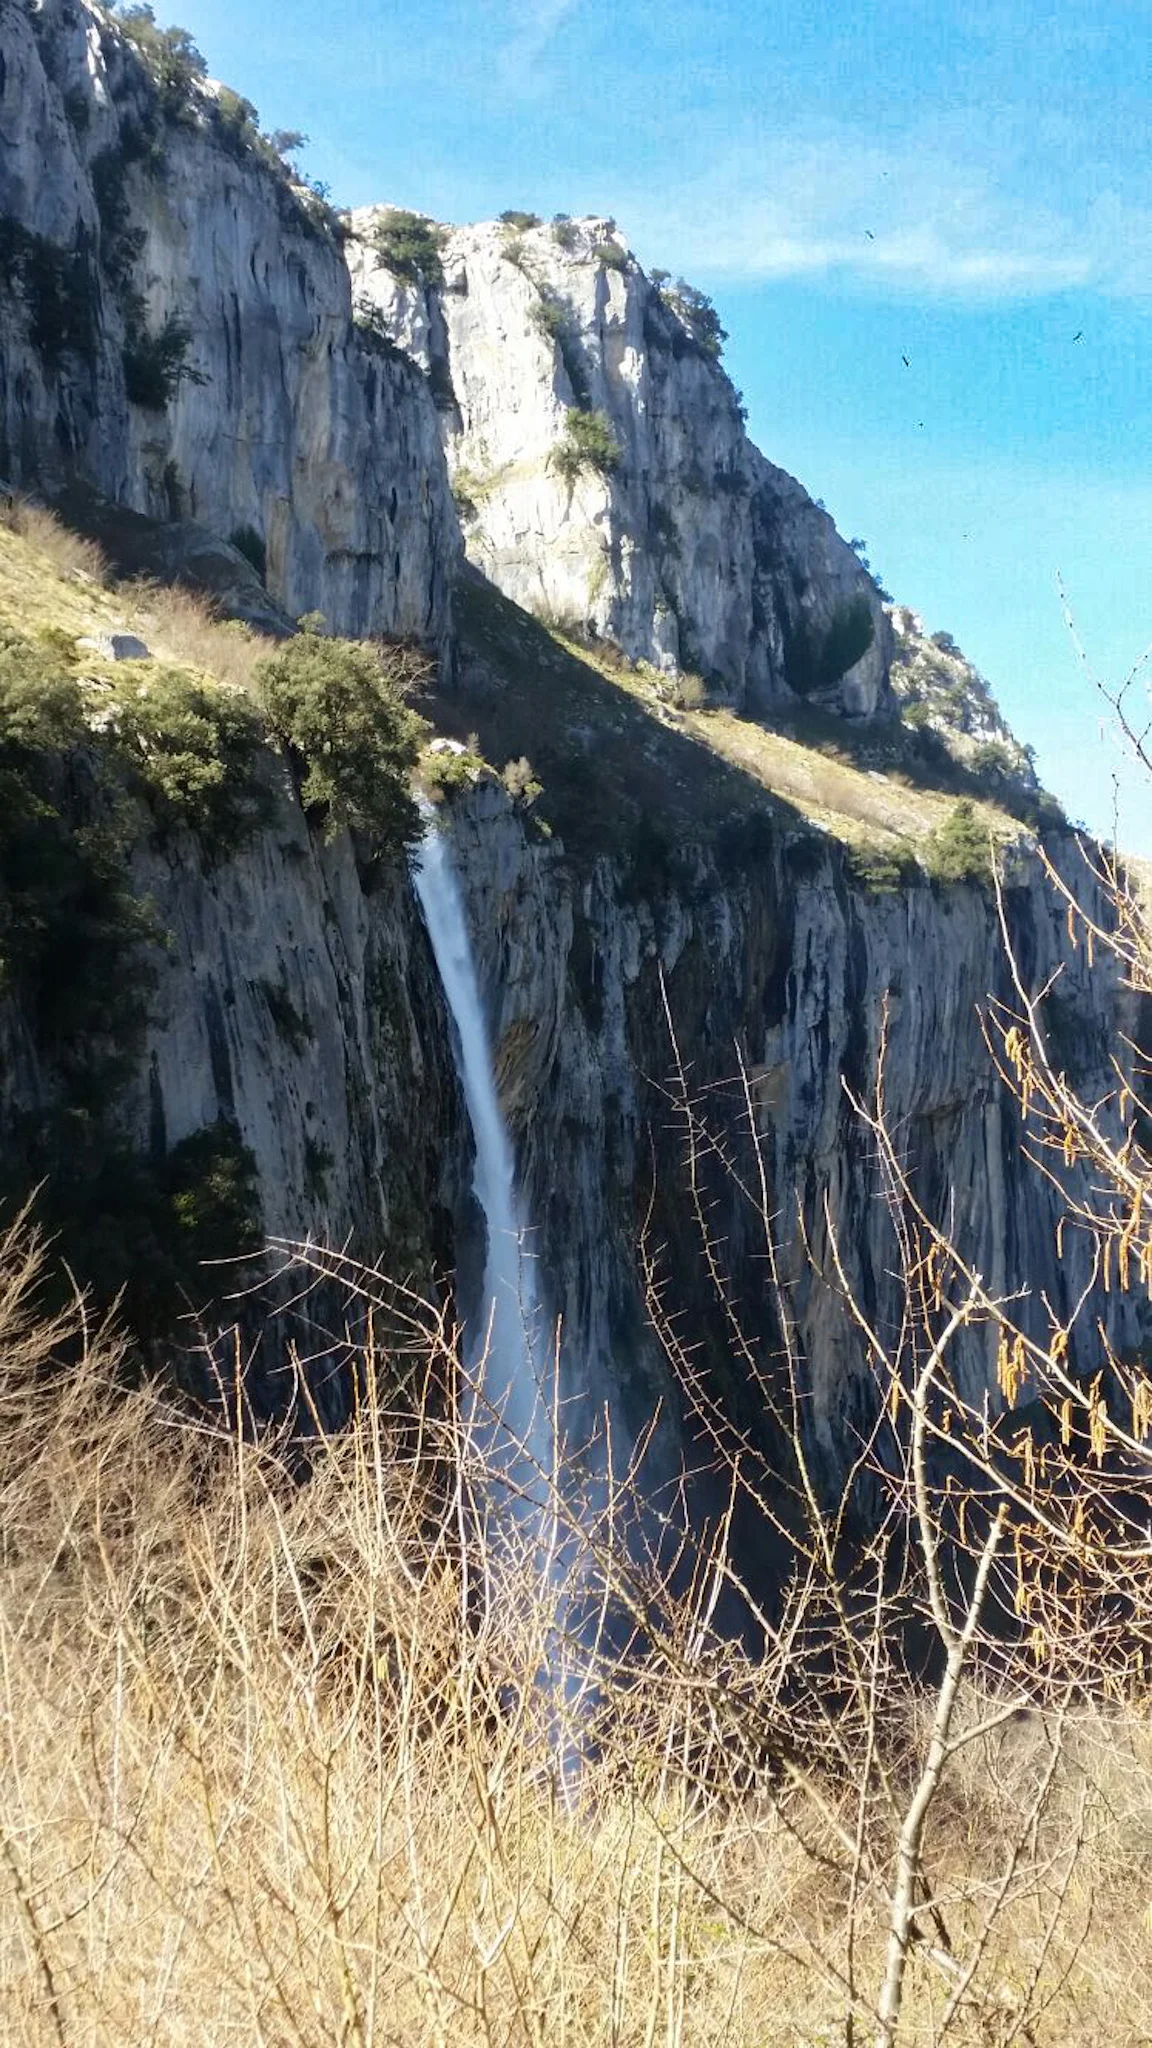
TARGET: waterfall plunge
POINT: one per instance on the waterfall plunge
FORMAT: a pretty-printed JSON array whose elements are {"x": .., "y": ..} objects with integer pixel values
[
  {"x": 511, "y": 1408},
  {"x": 507, "y": 1353}
]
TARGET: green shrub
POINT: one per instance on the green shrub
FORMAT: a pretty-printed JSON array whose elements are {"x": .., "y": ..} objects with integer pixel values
[
  {"x": 155, "y": 365},
  {"x": 959, "y": 850},
  {"x": 193, "y": 748},
  {"x": 318, "y": 1163},
  {"x": 169, "y": 55},
  {"x": 993, "y": 758},
  {"x": 135, "y": 1231},
  {"x": 589, "y": 443},
  {"x": 746, "y": 842},
  {"x": 339, "y": 710},
  {"x": 294, "y": 1028},
  {"x": 553, "y": 318},
  {"x": 443, "y": 773},
  {"x": 520, "y": 222},
  {"x": 695, "y": 315},
  {"x": 610, "y": 256},
  {"x": 917, "y": 714},
  {"x": 565, "y": 233},
  {"x": 249, "y": 543},
  {"x": 371, "y": 325},
  {"x": 58, "y": 287},
  {"x": 72, "y": 936},
  {"x": 410, "y": 246},
  {"x": 120, "y": 244},
  {"x": 880, "y": 868},
  {"x": 236, "y": 124}
]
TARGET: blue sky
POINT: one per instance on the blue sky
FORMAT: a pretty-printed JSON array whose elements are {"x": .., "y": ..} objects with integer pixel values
[{"x": 962, "y": 183}]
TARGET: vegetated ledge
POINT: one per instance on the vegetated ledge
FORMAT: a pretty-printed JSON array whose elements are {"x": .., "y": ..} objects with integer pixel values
[
  {"x": 621, "y": 761},
  {"x": 163, "y": 773}
]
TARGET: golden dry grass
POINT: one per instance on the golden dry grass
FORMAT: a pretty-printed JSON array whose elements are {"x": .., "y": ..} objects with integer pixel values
[
  {"x": 264, "y": 1783},
  {"x": 863, "y": 807},
  {"x": 50, "y": 578}
]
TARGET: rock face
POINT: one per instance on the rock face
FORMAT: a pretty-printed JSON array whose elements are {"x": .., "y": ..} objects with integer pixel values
[
  {"x": 128, "y": 227},
  {"x": 690, "y": 551},
  {"x": 779, "y": 986},
  {"x": 940, "y": 690}
]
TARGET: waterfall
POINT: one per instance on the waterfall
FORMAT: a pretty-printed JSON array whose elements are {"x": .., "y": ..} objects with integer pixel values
[{"x": 509, "y": 1405}]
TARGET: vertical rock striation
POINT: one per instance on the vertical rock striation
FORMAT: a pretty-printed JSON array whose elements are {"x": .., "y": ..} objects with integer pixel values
[
  {"x": 688, "y": 549},
  {"x": 126, "y": 224}
]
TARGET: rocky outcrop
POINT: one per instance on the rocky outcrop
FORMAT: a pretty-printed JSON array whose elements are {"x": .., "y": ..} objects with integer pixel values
[
  {"x": 940, "y": 691},
  {"x": 673, "y": 537},
  {"x": 177, "y": 332}
]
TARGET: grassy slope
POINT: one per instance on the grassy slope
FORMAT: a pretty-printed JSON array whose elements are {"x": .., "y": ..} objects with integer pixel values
[
  {"x": 609, "y": 749},
  {"x": 50, "y": 581},
  {"x": 610, "y": 752}
]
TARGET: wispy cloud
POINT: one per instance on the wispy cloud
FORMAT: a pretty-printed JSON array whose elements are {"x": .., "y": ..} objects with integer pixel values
[
  {"x": 915, "y": 215},
  {"x": 533, "y": 24}
]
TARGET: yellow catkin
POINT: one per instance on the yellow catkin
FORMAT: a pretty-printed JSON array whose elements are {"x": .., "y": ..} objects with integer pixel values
[
  {"x": 1097, "y": 1420},
  {"x": 1142, "y": 1409},
  {"x": 1029, "y": 1462}
]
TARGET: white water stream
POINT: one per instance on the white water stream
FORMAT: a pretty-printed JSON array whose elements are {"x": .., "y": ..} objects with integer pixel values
[{"x": 507, "y": 1351}]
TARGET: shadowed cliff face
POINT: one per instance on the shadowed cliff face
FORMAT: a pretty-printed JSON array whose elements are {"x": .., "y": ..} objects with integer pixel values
[
  {"x": 281, "y": 418},
  {"x": 792, "y": 977},
  {"x": 690, "y": 551}
]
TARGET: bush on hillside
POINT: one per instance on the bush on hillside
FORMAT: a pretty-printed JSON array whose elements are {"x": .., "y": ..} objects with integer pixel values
[
  {"x": 156, "y": 364},
  {"x": 71, "y": 932},
  {"x": 58, "y": 288},
  {"x": 338, "y": 708},
  {"x": 589, "y": 443},
  {"x": 695, "y": 313},
  {"x": 193, "y": 748},
  {"x": 170, "y": 56},
  {"x": 958, "y": 851},
  {"x": 554, "y": 319},
  {"x": 410, "y": 246}
]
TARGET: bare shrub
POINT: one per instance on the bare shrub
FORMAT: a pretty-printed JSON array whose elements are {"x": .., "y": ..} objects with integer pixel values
[{"x": 67, "y": 551}]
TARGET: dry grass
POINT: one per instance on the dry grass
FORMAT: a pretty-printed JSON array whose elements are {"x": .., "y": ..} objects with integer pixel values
[
  {"x": 265, "y": 1783},
  {"x": 50, "y": 578},
  {"x": 858, "y": 805},
  {"x": 182, "y": 627},
  {"x": 67, "y": 553}
]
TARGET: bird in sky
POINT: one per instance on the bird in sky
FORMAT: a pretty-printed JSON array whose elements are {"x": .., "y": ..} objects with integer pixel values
[
  {"x": 868, "y": 232},
  {"x": 906, "y": 363},
  {"x": 1080, "y": 336}
]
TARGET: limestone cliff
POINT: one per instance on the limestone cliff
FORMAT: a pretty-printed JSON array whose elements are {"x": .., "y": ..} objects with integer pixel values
[
  {"x": 672, "y": 536},
  {"x": 787, "y": 975},
  {"x": 177, "y": 331}
]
